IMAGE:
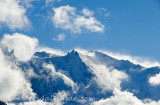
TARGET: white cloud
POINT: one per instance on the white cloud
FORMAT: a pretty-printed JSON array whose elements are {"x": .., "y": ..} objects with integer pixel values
[
  {"x": 23, "y": 46},
  {"x": 13, "y": 15},
  {"x": 155, "y": 80},
  {"x": 60, "y": 98},
  {"x": 124, "y": 98},
  {"x": 87, "y": 12},
  {"x": 60, "y": 37},
  {"x": 30, "y": 74},
  {"x": 66, "y": 17},
  {"x": 66, "y": 79},
  {"x": 107, "y": 78},
  {"x": 51, "y": 50},
  {"x": 13, "y": 83}
]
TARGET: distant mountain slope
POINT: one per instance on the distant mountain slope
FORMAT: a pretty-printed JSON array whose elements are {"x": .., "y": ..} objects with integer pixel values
[
  {"x": 94, "y": 75},
  {"x": 137, "y": 82}
]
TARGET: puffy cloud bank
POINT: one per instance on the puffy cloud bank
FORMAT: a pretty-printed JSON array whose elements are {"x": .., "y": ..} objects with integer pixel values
[
  {"x": 12, "y": 15},
  {"x": 13, "y": 83},
  {"x": 155, "y": 80},
  {"x": 23, "y": 46},
  {"x": 124, "y": 98},
  {"x": 67, "y": 18},
  {"x": 107, "y": 78}
]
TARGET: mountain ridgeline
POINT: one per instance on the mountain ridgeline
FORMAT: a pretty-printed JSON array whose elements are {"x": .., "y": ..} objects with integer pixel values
[{"x": 73, "y": 74}]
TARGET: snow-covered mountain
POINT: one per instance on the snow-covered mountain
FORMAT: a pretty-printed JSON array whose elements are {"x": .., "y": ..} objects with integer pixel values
[{"x": 80, "y": 79}]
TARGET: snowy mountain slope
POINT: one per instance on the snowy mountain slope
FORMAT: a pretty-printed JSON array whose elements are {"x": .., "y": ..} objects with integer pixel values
[
  {"x": 137, "y": 81},
  {"x": 71, "y": 66},
  {"x": 139, "y": 84},
  {"x": 95, "y": 75},
  {"x": 100, "y": 58}
]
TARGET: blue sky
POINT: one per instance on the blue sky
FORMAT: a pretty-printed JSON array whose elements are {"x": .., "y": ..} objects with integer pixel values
[{"x": 129, "y": 26}]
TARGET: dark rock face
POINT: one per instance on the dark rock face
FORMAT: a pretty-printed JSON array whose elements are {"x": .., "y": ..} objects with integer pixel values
[{"x": 2, "y": 103}]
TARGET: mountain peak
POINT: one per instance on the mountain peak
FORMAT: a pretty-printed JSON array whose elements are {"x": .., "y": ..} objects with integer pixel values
[{"x": 73, "y": 54}]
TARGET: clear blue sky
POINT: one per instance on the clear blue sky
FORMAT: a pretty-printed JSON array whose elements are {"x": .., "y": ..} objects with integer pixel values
[{"x": 133, "y": 26}]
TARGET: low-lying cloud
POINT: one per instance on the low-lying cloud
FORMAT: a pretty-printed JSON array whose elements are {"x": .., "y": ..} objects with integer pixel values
[
  {"x": 154, "y": 80},
  {"x": 13, "y": 83},
  {"x": 55, "y": 73},
  {"x": 124, "y": 98},
  {"x": 107, "y": 78},
  {"x": 23, "y": 46}
]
